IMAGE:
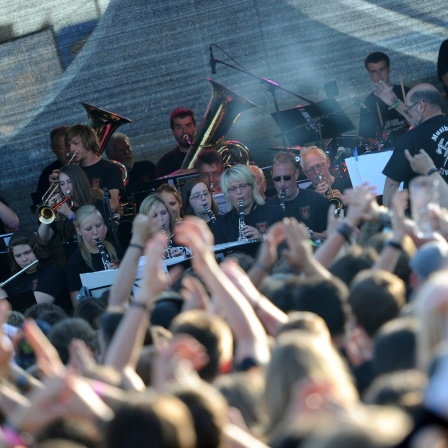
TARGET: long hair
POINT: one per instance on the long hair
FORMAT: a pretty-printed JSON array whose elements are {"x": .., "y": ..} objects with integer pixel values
[
  {"x": 87, "y": 135},
  {"x": 167, "y": 188},
  {"x": 240, "y": 173},
  {"x": 153, "y": 200},
  {"x": 81, "y": 216},
  {"x": 186, "y": 193},
  {"x": 37, "y": 245}
]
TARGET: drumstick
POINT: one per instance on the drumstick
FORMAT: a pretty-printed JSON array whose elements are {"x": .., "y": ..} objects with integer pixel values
[
  {"x": 402, "y": 88},
  {"x": 379, "y": 114}
]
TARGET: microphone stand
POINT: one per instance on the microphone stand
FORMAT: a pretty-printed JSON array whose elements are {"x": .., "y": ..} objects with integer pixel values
[
  {"x": 110, "y": 218},
  {"x": 272, "y": 87}
]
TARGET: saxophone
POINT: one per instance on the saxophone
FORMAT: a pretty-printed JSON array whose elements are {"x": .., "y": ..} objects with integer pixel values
[
  {"x": 241, "y": 223},
  {"x": 104, "y": 255},
  {"x": 282, "y": 198},
  {"x": 210, "y": 214},
  {"x": 167, "y": 252}
]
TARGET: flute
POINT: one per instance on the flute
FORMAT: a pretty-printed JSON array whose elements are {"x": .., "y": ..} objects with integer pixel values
[{"x": 18, "y": 273}]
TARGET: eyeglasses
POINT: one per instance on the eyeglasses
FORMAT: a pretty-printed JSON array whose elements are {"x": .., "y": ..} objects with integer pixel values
[
  {"x": 242, "y": 187},
  {"x": 316, "y": 168},
  {"x": 410, "y": 107},
  {"x": 196, "y": 196},
  {"x": 279, "y": 178}
]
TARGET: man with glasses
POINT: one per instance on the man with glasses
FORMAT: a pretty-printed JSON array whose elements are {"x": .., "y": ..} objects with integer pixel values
[
  {"x": 252, "y": 221},
  {"x": 378, "y": 116},
  {"x": 423, "y": 106},
  {"x": 210, "y": 166},
  {"x": 306, "y": 206}
]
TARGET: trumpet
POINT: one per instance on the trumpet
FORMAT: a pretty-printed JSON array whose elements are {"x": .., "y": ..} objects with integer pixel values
[
  {"x": 46, "y": 214},
  {"x": 332, "y": 198}
]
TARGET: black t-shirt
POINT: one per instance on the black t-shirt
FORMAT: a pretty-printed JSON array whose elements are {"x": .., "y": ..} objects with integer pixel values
[
  {"x": 369, "y": 122},
  {"x": 308, "y": 207},
  {"x": 76, "y": 266},
  {"x": 170, "y": 162},
  {"x": 340, "y": 183},
  {"x": 432, "y": 136},
  {"x": 49, "y": 280},
  {"x": 226, "y": 228},
  {"x": 142, "y": 173},
  {"x": 105, "y": 173}
]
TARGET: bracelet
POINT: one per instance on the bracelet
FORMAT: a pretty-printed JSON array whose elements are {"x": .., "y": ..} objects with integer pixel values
[
  {"x": 261, "y": 266},
  {"x": 72, "y": 218},
  {"x": 346, "y": 231},
  {"x": 14, "y": 437},
  {"x": 394, "y": 245},
  {"x": 136, "y": 304},
  {"x": 432, "y": 171},
  {"x": 137, "y": 246},
  {"x": 395, "y": 105}
]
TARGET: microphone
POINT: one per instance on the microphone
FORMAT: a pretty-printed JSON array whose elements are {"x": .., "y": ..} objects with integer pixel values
[
  {"x": 342, "y": 152},
  {"x": 358, "y": 102},
  {"x": 212, "y": 61}
]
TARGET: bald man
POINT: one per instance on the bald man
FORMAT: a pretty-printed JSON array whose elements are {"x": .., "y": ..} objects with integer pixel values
[{"x": 430, "y": 132}]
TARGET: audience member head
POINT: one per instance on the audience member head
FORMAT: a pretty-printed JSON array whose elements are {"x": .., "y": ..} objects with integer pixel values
[
  {"x": 90, "y": 310},
  {"x": 173, "y": 198},
  {"x": 35, "y": 311},
  {"x": 306, "y": 321},
  {"x": 195, "y": 195},
  {"x": 376, "y": 297},
  {"x": 214, "y": 334}
]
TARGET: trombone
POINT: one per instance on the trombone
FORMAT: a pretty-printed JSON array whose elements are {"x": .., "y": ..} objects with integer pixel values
[{"x": 46, "y": 214}]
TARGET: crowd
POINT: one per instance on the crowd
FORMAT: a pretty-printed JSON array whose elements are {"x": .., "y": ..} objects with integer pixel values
[{"x": 333, "y": 335}]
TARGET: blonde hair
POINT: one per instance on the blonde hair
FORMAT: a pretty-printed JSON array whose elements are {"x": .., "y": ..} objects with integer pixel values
[
  {"x": 82, "y": 215},
  {"x": 310, "y": 149},
  {"x": 151, "y": 201},
  {"x": 240, "y": 173}
]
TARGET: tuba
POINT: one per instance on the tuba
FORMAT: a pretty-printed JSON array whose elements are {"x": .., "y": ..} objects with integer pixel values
[
  {"x": 104, "y": 123},
  {"x": 224, "y": 108}
]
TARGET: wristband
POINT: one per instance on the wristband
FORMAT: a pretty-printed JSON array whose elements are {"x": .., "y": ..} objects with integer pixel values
[
  {"x": 137, "y": 246},
  {"x": 394, "y": 106},
  {"x": 72, "y": 218},
  {"x": 394, "y": 245},
  {"x": 135, "y": 304},
  {"x": 432, "y": 171},
  {"x": 346, "y": 231}
]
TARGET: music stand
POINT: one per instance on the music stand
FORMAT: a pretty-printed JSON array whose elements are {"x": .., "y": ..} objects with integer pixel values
[{"x": 304, "y": 124}]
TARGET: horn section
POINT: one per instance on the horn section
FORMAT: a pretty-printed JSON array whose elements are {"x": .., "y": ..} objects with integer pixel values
[
  {"x": 224, "y": 108},
  {"x": 104, "y": 123}
]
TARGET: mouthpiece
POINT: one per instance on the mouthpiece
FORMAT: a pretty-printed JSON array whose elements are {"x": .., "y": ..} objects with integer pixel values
[{"x": 187, "y": 139}]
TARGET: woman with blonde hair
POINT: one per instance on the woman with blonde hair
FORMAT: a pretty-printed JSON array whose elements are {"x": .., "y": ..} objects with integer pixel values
[
  {"x": 173, "y": 198},
  {"x": 94, "y": 253}
]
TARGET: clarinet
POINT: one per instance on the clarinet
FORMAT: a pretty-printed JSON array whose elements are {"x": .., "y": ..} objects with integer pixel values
[
  {"x": 104, "y": 255},
  {"x": 241, "y": 223},
  {"x": 168, "y": 245},
  {"x": 282, "y": 198},
  {"x": 210, "y": 214}
]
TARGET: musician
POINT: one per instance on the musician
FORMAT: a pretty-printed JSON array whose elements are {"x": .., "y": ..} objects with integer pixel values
[
  {"x": 161, "y": 219},
  {"x": 381, "y": 117},
  {"x": 119, "y": 148},
  {"x": 210, "y": 166},
  {"x": 317, "y": 168},
  {"x": 82, "y": 141},
  {"x": 173, "y": 198},
  {"x": 72, "y": 181},
  {"x": 424, "y": 107},
  {"x": 42, "y": 283},
  {"x": 90, "y": 256},
  {"x": 57, "y": 145},
  {"x": 196, "y": 196},
  {"x": 183, "y": 126},
  {"x": 237, "y": 183},
  {"x": 306, "y": 206}
]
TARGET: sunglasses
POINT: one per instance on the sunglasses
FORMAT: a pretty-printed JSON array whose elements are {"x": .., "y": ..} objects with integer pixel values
[{"x": 279, "y": 178}]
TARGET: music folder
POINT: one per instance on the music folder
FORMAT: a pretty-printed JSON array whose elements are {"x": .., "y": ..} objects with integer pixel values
[{"x": 300, "y": 122}]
